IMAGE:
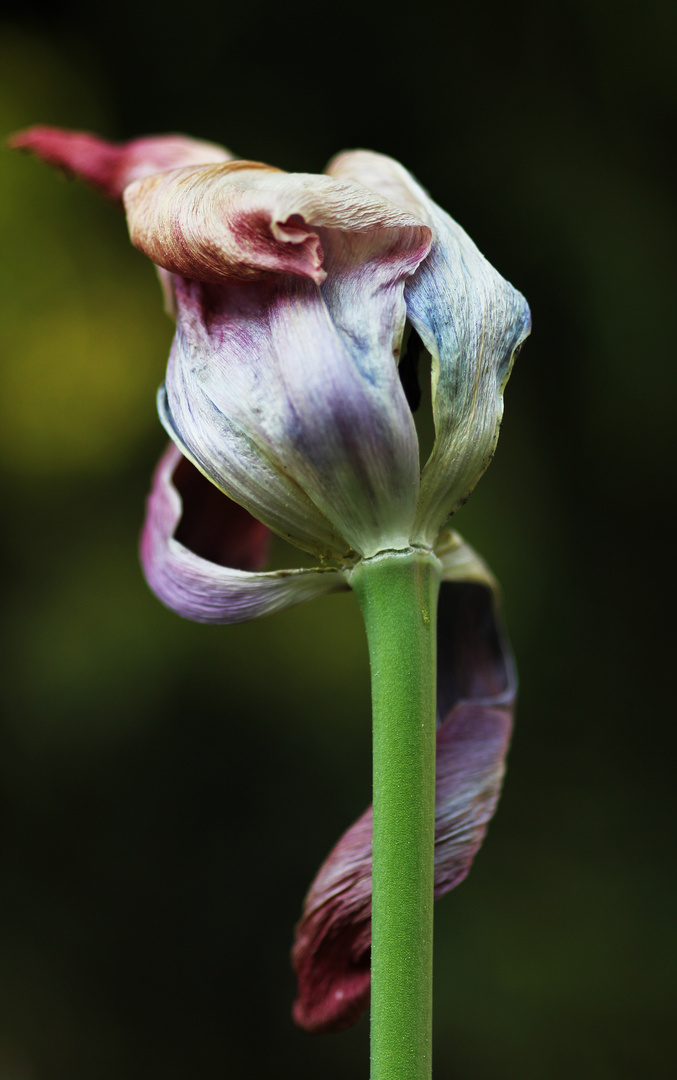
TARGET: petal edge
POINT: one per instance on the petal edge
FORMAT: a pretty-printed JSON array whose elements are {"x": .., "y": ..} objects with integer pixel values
[{"x": 203, "y": 590}]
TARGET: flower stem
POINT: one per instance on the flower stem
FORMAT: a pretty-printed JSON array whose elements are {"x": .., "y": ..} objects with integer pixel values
[{"x": 398, "y": 592}]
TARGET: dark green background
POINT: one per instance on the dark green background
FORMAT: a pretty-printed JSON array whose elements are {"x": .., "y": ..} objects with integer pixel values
[{"x": 167, "y": 789}]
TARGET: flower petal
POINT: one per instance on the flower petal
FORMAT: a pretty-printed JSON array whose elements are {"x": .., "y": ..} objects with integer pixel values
[
  {"x": 471, "y": 321},
  {"x": 197, "y": 548},
  {"x": 111, "y": 166},
  {"x": 476, "y": 690},
  {"x": 332, "y": 942},
  {"x": 241, "y": 220},
  {"x": 288, "y": 397}
]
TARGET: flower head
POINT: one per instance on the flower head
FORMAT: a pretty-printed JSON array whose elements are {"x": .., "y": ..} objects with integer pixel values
[
  {"x": 285, "y": 402},
  {"x": 292, "y": 293}
]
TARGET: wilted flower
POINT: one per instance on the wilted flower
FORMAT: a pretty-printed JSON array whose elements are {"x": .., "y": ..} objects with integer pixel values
[
  {"x": 292, "y": 294},
  {"x": 296, "y": 298}
]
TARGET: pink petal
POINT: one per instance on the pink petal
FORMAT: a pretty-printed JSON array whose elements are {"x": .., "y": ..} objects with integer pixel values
[
  {"x": 110, "y": 167},
  {"x": 331, "y": 953},
  {"x": 332, "y": 942}
]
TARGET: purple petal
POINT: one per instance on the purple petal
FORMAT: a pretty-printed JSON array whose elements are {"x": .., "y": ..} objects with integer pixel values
[
  {"x": 471, "y": 747},
  {"x": 331, "y": 953},
  {"x": 288, "y": 398},
  {"x": 285, "y": 394},
  {"x": 198, "y": 549}
]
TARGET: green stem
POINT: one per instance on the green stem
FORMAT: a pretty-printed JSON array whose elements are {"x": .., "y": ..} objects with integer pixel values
[{"x": 398, "y": 594}]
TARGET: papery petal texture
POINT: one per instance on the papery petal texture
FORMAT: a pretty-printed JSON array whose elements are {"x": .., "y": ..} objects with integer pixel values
[
  {"x": 471, "y": 321},
  {"x": 286, "y": 394},
  {"x": 476, "y": 692},
  {"x": 237, "y": 221},
  {"x": 199, "y": 550},
  {"x": 110, "y": 167}
]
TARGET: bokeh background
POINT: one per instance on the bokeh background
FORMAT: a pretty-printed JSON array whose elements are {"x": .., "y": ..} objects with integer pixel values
[{"x": 168, "y": 790}]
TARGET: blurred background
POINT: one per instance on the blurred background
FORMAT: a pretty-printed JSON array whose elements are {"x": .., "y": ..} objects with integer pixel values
[{"x": 168, "y": 790}]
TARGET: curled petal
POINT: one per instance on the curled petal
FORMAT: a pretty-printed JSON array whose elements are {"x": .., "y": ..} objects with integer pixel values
[
  {"x": 332, "y": 942},
  {"x": 198, "y": 551},
  {"x": 217, "y": 441},
  {"x": 241, "y": 220},
  {"x": 110, "y": 167},
  {"x": 471, "y": 321},
  {"x": 472, "y": 744},
  {"x": 476, "y": 693}
]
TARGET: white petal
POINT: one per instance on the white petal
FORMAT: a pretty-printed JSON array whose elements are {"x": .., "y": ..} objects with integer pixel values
[
  {"x": 289, "y": 399},
  {"x": 471, "y": 321}
]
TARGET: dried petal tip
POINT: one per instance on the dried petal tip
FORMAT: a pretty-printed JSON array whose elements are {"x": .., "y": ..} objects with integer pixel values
[
  {"x": 110, "y": 167},
  {"x": 331, "y": 954}
]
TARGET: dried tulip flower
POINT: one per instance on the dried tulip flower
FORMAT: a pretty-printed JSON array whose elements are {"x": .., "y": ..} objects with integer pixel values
[{"x": 302, "y": 303}]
